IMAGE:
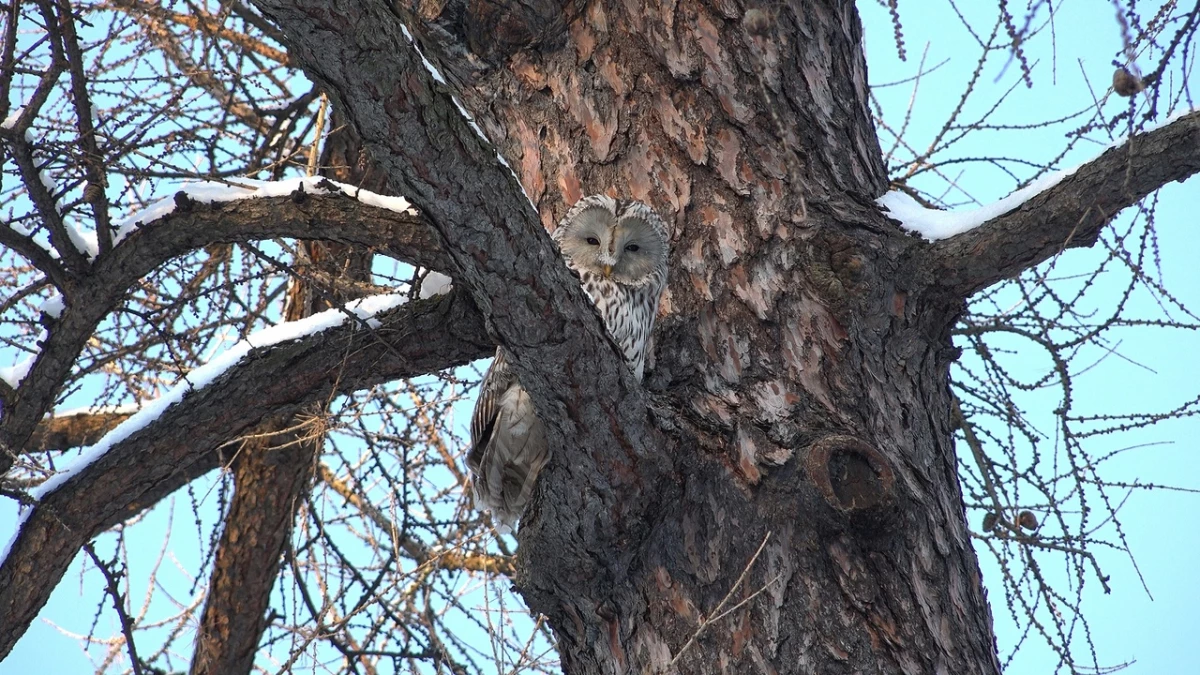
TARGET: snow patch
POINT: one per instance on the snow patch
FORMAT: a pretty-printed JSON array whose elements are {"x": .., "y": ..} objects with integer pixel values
[
  {"x": 38, "y": 238},
  {"x": 25, "y": 511},
  {"x": 124, "y": 408},
  {"x": 12, "y": 375},
  {"x": 437, "y": 77},
  {"x": 11, "y": 121},
  {"x": 48, "y": 181},
  {"x": 435, "y": 283},
  {"x": 53, "y": 306},
  {"x": 85, "y": 241},
  {"x": 934, "y": 224},
  {"x": 434, "y": 72}
]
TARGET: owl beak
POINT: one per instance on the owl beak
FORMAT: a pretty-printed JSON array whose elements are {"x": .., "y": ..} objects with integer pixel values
[{"x": 607, "y": 271}]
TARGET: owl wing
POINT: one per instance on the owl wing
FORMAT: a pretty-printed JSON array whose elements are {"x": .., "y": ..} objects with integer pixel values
[
  {"x": 498, "y": 378},
  {"x": 508, "y": 445}
]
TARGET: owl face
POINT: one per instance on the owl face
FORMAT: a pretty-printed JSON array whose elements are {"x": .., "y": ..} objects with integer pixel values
[{"x": 618, "y": 240}]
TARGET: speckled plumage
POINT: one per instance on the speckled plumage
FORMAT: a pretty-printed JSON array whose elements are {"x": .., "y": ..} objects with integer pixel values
[{"x": 619, "y": 250}]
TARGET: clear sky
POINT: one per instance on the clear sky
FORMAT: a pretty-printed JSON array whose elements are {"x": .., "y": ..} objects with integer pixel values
[{"x": 1152, "y": 627}]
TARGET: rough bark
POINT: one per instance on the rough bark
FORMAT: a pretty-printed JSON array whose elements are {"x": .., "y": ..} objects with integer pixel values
[
  {"x": 1072, "y": 213},
  {"x": 808, "y": 517},
  {"x": 270, "y": 475},
  {"x": 806, "y": 400},
  {"x": 499, "y": 253}
]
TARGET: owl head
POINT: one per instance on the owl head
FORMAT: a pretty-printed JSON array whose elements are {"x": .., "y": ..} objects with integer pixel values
[{"x": 615, "y": 239}]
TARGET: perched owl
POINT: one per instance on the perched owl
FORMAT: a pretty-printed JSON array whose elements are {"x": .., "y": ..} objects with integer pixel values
[{"x": 619, "y": 250}]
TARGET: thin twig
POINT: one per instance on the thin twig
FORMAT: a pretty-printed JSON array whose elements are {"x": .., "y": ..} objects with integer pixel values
[
  {"x": 717, "y": 614},
  {"x": 114, "y": 590}
]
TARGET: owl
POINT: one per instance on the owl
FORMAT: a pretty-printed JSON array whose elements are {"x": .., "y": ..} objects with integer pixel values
[{"x": 619, "y": 250}]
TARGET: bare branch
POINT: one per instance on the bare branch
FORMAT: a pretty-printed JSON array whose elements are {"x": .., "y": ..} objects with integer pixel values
[
  {"x": 302, "y": 216},
  {"x": 113, "y": 588},
  {"x": 182, "y": 443},
  {"x": 200, "y": 20},
  {"x": 1072, "y": 213}
]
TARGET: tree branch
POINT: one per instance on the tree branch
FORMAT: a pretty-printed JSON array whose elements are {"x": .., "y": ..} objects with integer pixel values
[
  {"x": 1073, "y": 212},
  {"x": 333, "y": 217},
  {"x": 73, "y": 431},
  {"x": 181, "y": 444}
]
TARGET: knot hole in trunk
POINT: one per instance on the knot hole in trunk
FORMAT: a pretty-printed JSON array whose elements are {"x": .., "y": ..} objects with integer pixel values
[{"x": 854, "y": 478}]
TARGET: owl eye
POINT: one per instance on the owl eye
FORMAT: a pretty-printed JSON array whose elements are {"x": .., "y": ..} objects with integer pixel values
[
  {"x": 593, "y": 241},
  {"x": 632, "y": 248}
]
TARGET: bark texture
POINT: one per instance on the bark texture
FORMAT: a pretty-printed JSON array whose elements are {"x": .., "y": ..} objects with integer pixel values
[
  {"x": 801, "y": 368},
  {"x": 271, "y": 475}
]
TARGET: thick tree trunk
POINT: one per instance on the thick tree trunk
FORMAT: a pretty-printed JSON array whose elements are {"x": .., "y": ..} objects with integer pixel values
[{"x": 810, "y": 518}]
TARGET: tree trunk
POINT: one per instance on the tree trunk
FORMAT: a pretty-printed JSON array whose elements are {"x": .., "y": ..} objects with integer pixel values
[
  {"x": 810, "y": 520},
  {"x": 808, "y": 516}
]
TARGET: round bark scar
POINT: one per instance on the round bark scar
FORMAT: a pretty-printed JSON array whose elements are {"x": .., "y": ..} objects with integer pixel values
[{"x": 850, "y": 474}]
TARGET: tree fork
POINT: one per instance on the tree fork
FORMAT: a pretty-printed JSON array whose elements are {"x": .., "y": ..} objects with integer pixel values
[{"x": 795, "y": 313}]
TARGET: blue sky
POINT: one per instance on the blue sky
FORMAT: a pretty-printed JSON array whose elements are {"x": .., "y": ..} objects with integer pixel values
[{"x": 1151, "y": 627}]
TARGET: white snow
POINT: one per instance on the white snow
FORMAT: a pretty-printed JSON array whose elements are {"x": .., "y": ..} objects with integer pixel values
[
  {"x": 16, "y": 533},
  {"x": 462, "y": 110},
  {"x": 934, "y": 224},
  {"x": 208, "y": 192},
  {"x": 11, "y": 121},
  {"x": 12, "y": 375},
  {"x": 437, "y": 74},
  {"x": 53, "y": 306},
  {"x": 1165, "y": 121},
  {"x": 125, "y": 408},
  {"x": 364, "y": 309},
  {"x": 479, "y": 132},
  {"x": 437, "y": 77},
  {"x": 85, "y": 241},
  {"x": 39, "y": 239},
  {"x": 48, "y": 181},
  {"x": 435, "y": 283}
]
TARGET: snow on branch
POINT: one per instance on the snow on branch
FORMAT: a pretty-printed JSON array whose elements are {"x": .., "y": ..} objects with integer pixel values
[
  {"x": 210, "y": 192},
  {"x": 936, "y": 224},
  {"x": 1068, "y": 209},
  {"x": 363, "y": 312},
  {"x": 154, "y": 454},
  {"x": 323, "y": 210}
]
